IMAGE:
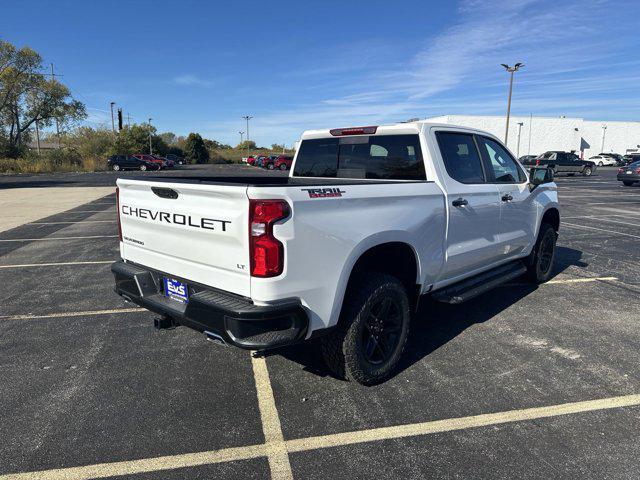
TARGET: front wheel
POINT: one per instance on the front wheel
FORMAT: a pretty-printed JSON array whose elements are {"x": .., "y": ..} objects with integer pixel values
[
  {"x": 600, "y": 164},
  {"x": 627, "y": 183},
  {"x": 283, "y": 166},
  {"x": 143, "y": 168},
  {"x": 270, "y": 166},
  {"x": 543, "y": 254},
  {"x": 587, "y": 171},
  {"x": 116, "y": 168},
  {"x": 373, "y": 328}
]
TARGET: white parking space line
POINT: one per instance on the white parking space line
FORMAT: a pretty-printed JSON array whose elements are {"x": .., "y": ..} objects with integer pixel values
[
  {"x": 276, "y": 451},
  {"x": 580, "y": 280},
  {"x": 26, "y": 265},
  {"x": 72, "y": 223},
  {"x": 86, "y": 313},
  {"x": 55, "y": 238},
  {"x": 610, "y": 232},
  {"x": 172, "y": 462},
  {"x": 106, "y": 210},
  {"x": 627, "y": 223},
  {"x": 604, "y": 215}
]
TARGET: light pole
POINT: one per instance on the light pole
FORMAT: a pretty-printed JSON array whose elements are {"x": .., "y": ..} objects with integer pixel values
[
  {"x": 519, "y": 131},
  {"x": 241, "y": 134},
  {"x": 511, "y": 70},
  {"x": 113, "y": 125},
  {"x": 150, "y": 147},
  {"x": 247, "y": 118},
  {"x": 604, "y": 132}
]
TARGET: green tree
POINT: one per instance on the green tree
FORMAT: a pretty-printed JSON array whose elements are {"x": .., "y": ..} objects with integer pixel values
[
  {"x": 247, "y": 144},
  {"x": 27, "y": 96},
  {"x": 195, "y": 149}
]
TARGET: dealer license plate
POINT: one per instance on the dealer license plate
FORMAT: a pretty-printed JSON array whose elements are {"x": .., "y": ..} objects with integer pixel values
[{"x": 176, "y": 290}]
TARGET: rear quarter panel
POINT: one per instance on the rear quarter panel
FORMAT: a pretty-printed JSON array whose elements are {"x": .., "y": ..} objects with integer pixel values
[{"x": 324, "y": 237}]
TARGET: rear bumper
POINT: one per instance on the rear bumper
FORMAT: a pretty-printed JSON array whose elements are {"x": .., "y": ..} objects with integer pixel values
[
  {"x": 624, "y": 177},
  {"x": 233, "y": 318}
]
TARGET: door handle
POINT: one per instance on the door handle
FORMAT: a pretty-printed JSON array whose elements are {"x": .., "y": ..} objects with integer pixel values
[
  {"x": 460, "y": 202},
  {"x": 507, "y": 197}
]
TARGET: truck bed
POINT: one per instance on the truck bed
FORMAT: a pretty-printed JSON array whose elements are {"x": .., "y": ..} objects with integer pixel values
[{"x": 266, "y": 180}]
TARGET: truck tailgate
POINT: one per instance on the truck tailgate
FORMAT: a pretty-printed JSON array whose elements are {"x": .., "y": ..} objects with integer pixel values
[{"x": 196, "y": 232}]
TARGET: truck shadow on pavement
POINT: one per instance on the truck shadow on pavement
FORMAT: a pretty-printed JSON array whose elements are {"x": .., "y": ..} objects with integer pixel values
[{"x": 435, "y": 324}]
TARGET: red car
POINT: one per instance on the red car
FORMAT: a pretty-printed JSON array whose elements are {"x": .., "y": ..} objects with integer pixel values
[
  {"x": 283, "y": 162},
  {"x": 149, "y": 158}
]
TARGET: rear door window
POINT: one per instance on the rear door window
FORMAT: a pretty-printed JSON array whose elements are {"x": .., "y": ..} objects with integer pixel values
[
  {"x": 461, "y": 157},
  {"x": 391, "y": 157}
]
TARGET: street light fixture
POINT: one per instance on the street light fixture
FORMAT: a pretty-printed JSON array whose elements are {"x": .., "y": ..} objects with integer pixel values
[
  {"x": 150, "y": 147},
  {"x": 241, "y": 134},
  {"x": 511, "y": 71}
]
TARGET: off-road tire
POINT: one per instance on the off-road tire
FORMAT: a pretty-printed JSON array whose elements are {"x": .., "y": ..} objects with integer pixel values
[
  {"x": 342, "y": 349},
  {"x": 587, "y": 172},
  {"x": 627, "y": 184},
  {"x": 537, "y": 269},
  {"x": 143, "y": 168},
  {"x": 116, "y": 168}
]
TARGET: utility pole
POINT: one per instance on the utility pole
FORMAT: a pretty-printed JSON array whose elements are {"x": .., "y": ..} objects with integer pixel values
[
  {"x": 113, "y": 124},
  {"x": 530, "y": 123},
  {"x": 150, "y": 147},
  {"x": 129, "y": 120},
  {"x": 604, "y": 131},
  {"x": 511, "y": 70},
  {"x": 37, "y": 136},
  {"x": 53, "y": 77},
  {"x": 247, "y": 118},
  {"x": 519, "y": 131},
  {"x": 241, "y": 134}
]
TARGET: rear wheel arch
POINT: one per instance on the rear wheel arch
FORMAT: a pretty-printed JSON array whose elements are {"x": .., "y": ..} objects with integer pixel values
[{"x": 398, "y": 259}]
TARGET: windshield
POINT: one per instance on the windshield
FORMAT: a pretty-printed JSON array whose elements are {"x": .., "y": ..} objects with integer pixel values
[{"x": 393, "y": 157}]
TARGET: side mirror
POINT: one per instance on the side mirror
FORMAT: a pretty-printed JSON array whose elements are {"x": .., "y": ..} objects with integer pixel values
[{"x": 539, "y": 176}]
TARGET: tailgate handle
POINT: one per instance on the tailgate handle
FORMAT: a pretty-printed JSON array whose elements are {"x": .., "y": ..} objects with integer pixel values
[{"x": 165, "y": 192}]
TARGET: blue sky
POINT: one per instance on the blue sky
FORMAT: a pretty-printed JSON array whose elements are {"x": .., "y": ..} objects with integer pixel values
[{"x": 200, "y": 66}]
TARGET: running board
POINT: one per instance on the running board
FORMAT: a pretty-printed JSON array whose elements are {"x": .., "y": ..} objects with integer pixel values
[{"x": 479, "y": 284}]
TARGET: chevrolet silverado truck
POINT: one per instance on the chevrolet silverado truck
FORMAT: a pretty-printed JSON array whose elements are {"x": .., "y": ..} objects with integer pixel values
[{"x": 369, "y": 220}]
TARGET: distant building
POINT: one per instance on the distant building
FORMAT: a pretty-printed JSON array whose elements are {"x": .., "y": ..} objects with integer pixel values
[
  {"x": 43, "y": 145},
  {"x": 539, "y": 134}
]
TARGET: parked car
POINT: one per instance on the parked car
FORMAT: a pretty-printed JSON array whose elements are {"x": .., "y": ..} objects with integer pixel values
[
  {"x": 615, "y": 156},
  {"x": 129, "y": 162},
  {"x": 166, "y": 163},
  {"x": 527, "y": 159},
  {"x": 630, "y": 158},
  {"x": 259, "y": 161},
  {"x": 270, "y": 162},
  {"x": 344, "y": 257},
  {"x": 283, "y": 162},
  {"x": 251, "y": 160},
  {"x": 565, "y": 162},
  {"x": 630, "y": 174},
  {"x": 176, "y": 159},
  {"x": 149, "y": 158},
  {"x": 602, "y": 160}
]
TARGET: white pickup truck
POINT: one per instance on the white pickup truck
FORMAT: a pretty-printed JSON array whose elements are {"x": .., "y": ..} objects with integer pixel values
[{"x": 369, "y": 219}]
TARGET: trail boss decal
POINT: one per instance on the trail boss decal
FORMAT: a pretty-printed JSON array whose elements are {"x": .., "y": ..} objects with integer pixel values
[
  {"x": 176, "y": 218},
  {"x": 324, "y": 192}
]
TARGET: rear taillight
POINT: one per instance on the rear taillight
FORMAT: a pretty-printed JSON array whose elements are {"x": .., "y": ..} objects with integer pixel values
[
  {"x": 620, "y": 170},
  {"x": 638, "y": 171},
  {"x": 118, "y": 213},
  {"x": 537, "y": 162},
  {"x": 266, "y": 252},
  {"x": 339, "y": 132}
]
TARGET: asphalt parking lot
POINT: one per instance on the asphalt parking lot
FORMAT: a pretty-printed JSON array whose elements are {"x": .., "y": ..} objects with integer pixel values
[{"x": 522, "y": 382}]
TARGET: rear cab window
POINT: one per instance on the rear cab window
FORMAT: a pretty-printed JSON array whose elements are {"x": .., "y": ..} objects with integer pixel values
[{"x": 386, "y": 157}]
